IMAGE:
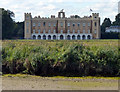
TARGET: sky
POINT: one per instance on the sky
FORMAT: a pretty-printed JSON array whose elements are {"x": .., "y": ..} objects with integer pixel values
[{"x": 46, "y": 8}]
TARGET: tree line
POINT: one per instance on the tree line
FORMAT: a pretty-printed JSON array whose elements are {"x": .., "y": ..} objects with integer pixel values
[
  {"x": 15, "y": 30},
  {"x": 107, "y": 23},
  {"x": 10, "y": 28}
]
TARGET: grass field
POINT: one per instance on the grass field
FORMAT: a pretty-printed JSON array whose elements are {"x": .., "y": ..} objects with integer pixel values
[{"x": 61, "y": 57}]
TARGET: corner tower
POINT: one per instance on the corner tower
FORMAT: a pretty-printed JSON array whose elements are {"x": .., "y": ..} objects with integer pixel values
[
  {"x": 27, "y": 24},
  {"x": 96, "y": 26}
]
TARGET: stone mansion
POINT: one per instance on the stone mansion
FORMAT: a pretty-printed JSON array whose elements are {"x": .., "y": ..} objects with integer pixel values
[{"x": 61, "y": 27}]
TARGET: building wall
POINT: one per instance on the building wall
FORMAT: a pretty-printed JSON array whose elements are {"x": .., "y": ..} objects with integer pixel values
[{"x": 73, "y": 28}]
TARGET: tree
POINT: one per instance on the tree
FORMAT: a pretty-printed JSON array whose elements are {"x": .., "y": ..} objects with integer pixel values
[
  {"x": 8, "y": 25},
  {"x": 117, "y": 20},
  {"x": 11, "y": 29},
  {"x": 106, "y": 23},
  {"x": 19, "y": 30}
]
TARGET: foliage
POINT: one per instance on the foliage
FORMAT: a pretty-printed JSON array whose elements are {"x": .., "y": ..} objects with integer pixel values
[
  {"x": 107, "y": 23},
  {"x": 11, "y": 29},
  {"x": 67, "y": 58}
]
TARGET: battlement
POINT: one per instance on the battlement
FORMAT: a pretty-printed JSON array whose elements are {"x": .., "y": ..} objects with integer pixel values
[
  {"x": 95, "y": 14},
  {"x": 27, "y": 13}
]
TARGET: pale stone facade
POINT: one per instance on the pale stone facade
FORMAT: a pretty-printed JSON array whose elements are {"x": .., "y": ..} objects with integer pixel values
[
  {"x": 62, "y": 28},
  {"x": 113, "y": 29}
]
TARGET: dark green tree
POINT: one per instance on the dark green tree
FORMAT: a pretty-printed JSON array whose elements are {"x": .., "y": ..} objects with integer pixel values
[
  {"x": 117, "y": 20},
  {"x": 106, "y": 23},
  {"x": 11, "y": 29},
  {"x": 19, "y": 30},
  {"x": 8, "y": 25}
]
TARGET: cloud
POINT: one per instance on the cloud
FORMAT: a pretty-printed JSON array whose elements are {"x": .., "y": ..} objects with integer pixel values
[{"x": 51, "y": 7}]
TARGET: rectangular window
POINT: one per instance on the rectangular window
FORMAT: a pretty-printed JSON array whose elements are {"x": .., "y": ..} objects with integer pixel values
[
  {"x": 49, "y": 31},
  {"x": 73, "y": 31},
  {"x": 88, "y": 24},
  {"x": 43, "y": 23},
  {"x": 27, "y": 31},
  {"x": 88, "y": 31},
  {"x": 34, "y": 31},
  {"x": 61, "y": 24},
  {"x": 43, "y": 31},
  {"x": 83, "y": 31},
  {"x": 39, "y": 24},
  {"x": 68, "y": 24},
  {"x": 38, "y": 31},
  {"x": 54, "y": 31},
  {"x": 33, "y": 24},
  {"x": 27, "y": 24},
  {"x": 68, "y": 31},
  {"x": 78, "y": 31},
  {"x": 95, "y": 24},
  {"x": 83, "y": 24},
  {"x": 95, "y": 31},
  {"x": 49, "y": 24},
  {"x": 54, "y": 24},
  {"x": 61, "y": 31}
]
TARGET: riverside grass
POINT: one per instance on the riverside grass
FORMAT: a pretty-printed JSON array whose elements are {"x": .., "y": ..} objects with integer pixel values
[{"x": 61, "y": 58}]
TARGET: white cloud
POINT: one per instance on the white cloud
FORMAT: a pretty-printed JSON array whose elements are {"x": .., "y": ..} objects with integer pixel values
[{"x": 51, "y": 7}]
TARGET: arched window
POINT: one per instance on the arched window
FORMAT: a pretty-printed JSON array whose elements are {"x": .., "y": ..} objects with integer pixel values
[
  {"x": 39, "y": 37},
  {"x": 73, "y": 24},
  {"x": 88, "y": 37},
  {"x": 44, "y": 37},
  {"x": 73, "y": 37},
  {"x": 68, "y": 37},
  {"x": 54, "y": 37},
  {"x": 49, "y": 37},
  {"x": 83, "y": 37},
  {"x": 78, "y": 37},
  {"x": 34, "y": 37},
  {"x": 61, "y": 37}
]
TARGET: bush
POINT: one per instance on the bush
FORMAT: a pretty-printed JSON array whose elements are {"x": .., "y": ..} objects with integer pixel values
[{"x": 60, "y": 58}]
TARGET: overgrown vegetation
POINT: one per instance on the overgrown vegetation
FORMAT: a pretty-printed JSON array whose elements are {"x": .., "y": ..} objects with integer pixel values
[{"x": 62, "y": 58}]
